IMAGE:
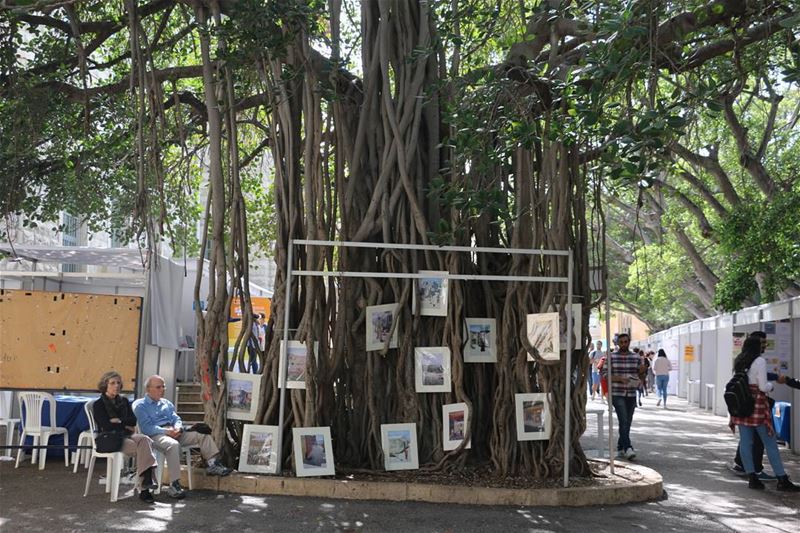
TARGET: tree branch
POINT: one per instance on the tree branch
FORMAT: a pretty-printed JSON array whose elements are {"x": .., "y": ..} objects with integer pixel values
[{"x": 711, "y": 165}]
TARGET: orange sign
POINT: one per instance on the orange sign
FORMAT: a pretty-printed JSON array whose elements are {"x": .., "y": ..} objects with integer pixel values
[
  {"x": 688, "y": 353},
  {"x": 260, "y": 305}
]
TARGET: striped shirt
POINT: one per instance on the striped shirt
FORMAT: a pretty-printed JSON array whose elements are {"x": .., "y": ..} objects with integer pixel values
[{"x": 626, "y": 364}]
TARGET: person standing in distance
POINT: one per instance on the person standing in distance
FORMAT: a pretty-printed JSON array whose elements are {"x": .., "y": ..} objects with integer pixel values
[
  {"x": 625, "y": 368},
  {"x": 594, "y": 358},
  {"x": 662, "y": 367}
]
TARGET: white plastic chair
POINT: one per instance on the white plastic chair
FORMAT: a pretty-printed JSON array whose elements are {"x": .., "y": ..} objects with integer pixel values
[
  {"x": 32, "y": 403},
  {"x": 86, "y": 438},
  {"x": 114, "y": 460},
  {"x": 8, "y": 422}
]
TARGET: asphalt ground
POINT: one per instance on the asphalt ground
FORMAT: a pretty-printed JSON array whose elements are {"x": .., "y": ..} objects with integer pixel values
[{"x": 690, "y": 448}]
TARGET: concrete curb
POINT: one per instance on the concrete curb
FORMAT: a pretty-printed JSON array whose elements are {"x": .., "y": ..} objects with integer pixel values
[{"x": 631, "y": 483}]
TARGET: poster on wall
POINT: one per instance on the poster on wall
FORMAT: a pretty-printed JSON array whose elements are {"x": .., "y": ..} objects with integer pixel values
[
  {"x": 738, "y": 341},
  {"x": 779, "y": 346}
]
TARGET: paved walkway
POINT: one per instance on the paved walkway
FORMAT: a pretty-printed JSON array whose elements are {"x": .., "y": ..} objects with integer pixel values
[{"x": 687, "y": 446}]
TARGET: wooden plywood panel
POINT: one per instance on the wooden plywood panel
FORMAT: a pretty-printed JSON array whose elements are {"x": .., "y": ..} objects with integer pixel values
[{"x": 54, "y": 340}]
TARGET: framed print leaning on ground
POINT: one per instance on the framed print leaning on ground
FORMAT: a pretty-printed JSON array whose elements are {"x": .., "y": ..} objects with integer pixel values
[
  {"x": 241, "y": 394},
  {"x": 480, "y": 334},
  {"x": 432, "y": 369},
  {"x": 543, "y": 335},
  {"x": 399, "y": 443},
  {"x": 533, "y": 416},
  {"x": 259, "y": 454},
  {"x": 431, "y": 292},
  {"x": 380, "y": 319},
  {"x": 313, "y": 451},
  {"x": 455, "y": 421}
]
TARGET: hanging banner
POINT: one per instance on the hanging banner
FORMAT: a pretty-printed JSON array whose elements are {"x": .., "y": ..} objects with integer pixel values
[{"x": 779, "y": 346}]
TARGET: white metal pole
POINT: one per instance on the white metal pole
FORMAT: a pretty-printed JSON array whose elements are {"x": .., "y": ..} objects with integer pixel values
[
  {"x": 608, "y": 366},
  {"x": 282, "y": 354},
  {"x": 568, "y": 375}
]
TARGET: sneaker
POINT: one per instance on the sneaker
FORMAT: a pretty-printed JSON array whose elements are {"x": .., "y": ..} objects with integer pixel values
[
  {"x": 754, "y": 483},
  {"x": 630, "y": 454},
  {"x": 736, "y": 469},
  {"x": 146, "y": 496},
  {"x": 176, "y": 491},
  {"x": 764, "y": 476},
  {"x": 784, "y": 485},
  {"x": 620, "y": 454},
  {"x": 148, "y": 482},
  {"x": 218, "y": 470},
  {"x": 658, "y": 402}
]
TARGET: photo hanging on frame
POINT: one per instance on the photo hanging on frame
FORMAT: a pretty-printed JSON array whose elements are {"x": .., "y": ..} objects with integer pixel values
[
  {"x": 543, "y": 334},
  {"x": 295, "y": 366},
  {"x": 399, "y": 442},
  {"x": 432, "y": 369},
  {"x": 242, "y": 391},
  {"x": 380, "y": 319},
  {"x": 259, "y": 454},
  {"x": 431, "y": 293},
  {"x": 455, "y": 421},
  {"x": 313, "y": 451},
  {"x": 533, "y": 416},
  {"x": 481, "y": 340}
]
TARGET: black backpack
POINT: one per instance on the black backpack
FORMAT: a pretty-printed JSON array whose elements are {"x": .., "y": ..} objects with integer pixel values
[{"x": 737, "y": 396}]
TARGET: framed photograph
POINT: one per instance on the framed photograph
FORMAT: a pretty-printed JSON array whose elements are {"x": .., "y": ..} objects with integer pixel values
[
  {"x": 481, "y": 346},
  {"x": 455, "y": 421},
  {"x": 259, "y": 453},
  {"x": 242, "y": 392},
  {"x": 379, "y": 324},
  {"x": 577, "y": 315},
  {"x": 432, "y": 365},
  {"x": 432, "y": 293},
  {"x": 533, "y": 416},
  {"x": 543, "y": 334},
  {"x": 296, "y": 354},
  {"x": 313, "y": 451},
  {"x": 399, "y": 442}
]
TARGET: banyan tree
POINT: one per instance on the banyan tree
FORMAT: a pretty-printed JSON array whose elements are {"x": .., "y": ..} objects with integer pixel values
[{"x": 407, "y": 122}]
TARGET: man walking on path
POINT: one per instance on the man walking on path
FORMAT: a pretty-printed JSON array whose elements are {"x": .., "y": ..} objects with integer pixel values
[{"x": 625, "y": 368}]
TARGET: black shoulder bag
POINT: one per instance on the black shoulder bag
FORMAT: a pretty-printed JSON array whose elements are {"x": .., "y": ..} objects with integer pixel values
[{"x": 109, "y": 441}]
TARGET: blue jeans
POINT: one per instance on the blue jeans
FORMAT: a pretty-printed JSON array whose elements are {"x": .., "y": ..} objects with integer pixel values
[
  {"x": 661, "y": 385},
  {"x": 624, "y": 407},
  {"x": 746, "y": 434}
]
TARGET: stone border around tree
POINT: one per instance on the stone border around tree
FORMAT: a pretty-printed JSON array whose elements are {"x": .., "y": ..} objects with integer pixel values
[{"x": 631, "y": 483}]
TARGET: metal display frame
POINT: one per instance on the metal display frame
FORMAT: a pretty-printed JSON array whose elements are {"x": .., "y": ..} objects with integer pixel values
[{"x": 290, "y": 273}]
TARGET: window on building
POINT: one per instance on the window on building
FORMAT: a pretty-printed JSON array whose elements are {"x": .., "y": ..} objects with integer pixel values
[{"x": 70, "y": 237}]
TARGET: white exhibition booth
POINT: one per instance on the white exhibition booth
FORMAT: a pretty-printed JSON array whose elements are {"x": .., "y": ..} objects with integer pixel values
[
  {"x": 166, "y": 339},
  {"x": 702, "y": 354}
]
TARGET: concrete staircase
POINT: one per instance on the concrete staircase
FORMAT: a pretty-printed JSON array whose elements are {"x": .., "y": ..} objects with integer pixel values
[{"x": 189, "y": 402}]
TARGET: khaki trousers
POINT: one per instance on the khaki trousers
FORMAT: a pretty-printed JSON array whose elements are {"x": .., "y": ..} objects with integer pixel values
[
  {"x": 140, "y": 446},
  {"x": 172, "y": 449}
]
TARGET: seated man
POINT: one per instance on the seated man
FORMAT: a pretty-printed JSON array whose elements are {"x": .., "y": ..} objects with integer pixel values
[{"x": 159, "y": 421}]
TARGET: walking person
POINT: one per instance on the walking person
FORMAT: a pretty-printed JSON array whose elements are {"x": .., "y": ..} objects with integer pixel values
[
  {"x": 594, "y": 357},
  {"x": 759, "y": 422},
  {"x": 625, "y": 368},
  {"x": 661, "y": 368}
]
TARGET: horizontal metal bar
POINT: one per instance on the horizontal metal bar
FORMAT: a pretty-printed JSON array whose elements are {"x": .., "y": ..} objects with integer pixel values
[
  {"x": 409, "y": 275},
  {"x": 433, "y": 247},
  {"x": 43, "y": 446}
]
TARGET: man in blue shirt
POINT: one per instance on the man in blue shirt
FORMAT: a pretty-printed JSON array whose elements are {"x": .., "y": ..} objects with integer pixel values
[{"x": 159, "y": 421}]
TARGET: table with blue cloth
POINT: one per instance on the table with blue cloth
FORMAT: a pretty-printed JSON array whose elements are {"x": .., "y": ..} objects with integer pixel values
[
  {"x": 782, "y": 421},
  {"x": 69, "y": 414}
]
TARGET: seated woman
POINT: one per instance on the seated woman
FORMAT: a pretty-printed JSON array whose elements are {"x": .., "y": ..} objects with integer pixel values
[{"x": 113, "y": 412}]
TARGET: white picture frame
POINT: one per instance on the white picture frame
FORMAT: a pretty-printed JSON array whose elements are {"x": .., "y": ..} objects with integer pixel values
[
  {"x": 259, "y": 454},
  {"x": 432, "y": 369},
  {"x": 399, "y": 443},
  {"x": 380, "y": 320},
  {"x": 577, "y": 316},
  {"x": 241, "y": 395},
  {"x": 313, "y": 451},
  {"x": 455, "y": 422},
  {"x": 543, "y": 334},
  {"x": 432, "y": 293},
  {"x": 294, "y": 375},
  {"x": 533, "y": 416},
  {"x": 481, "y": 340}
]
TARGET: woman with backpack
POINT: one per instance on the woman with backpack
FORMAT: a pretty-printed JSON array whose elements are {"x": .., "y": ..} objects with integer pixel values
[{"x": 760, "y": 421}]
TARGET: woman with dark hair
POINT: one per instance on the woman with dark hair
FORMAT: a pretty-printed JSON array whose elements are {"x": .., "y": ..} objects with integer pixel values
[
  {"x": 662, "y": 368},
  {"x": 760, "y": 422},
  {"x": 112, "y": 412}
]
